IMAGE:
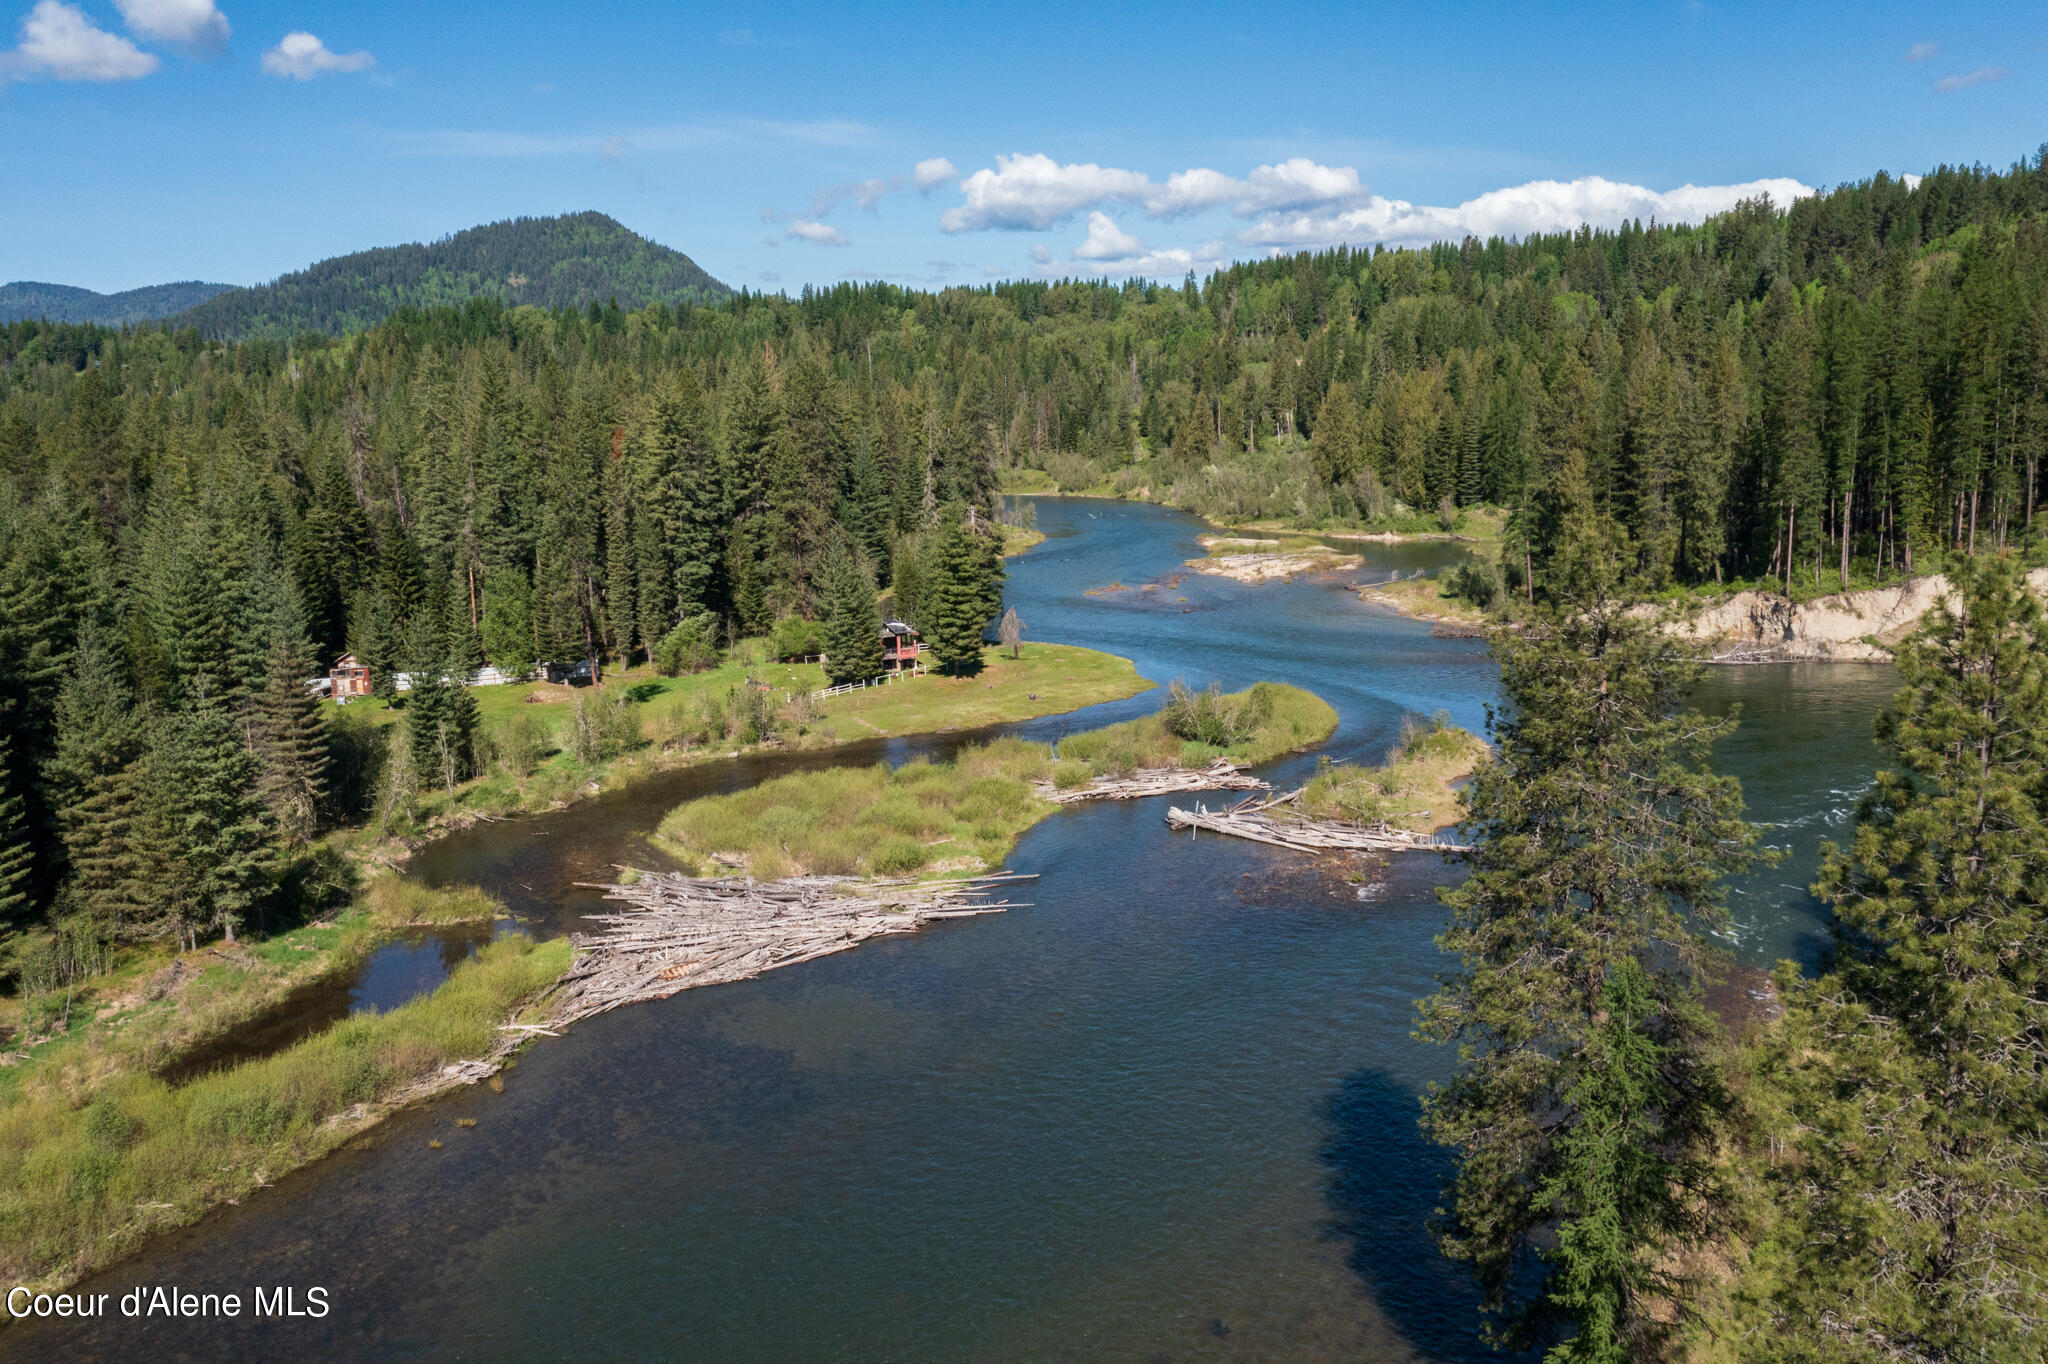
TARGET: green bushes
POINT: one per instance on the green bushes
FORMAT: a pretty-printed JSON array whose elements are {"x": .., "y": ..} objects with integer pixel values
[
  {"x": 1477, "y": 581},
  {"x": 604, "y": 725},
  {"x": 1209, "y": 717},
  {"x": 691, "y": 647},
  {"x": 793, "y": 637},
  {"x": 520, "y": 742}
]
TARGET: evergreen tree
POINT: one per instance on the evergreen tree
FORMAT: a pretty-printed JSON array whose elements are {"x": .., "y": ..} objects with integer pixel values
[
  {"x": 960, "y": 595},
  {"x": 214, "y": 840},
  {"x": 290, "y": 735},
  {"x": 1337, "y": 445},
  {"x": 1914, "y": 1220},
  {"x": 16, "y": 860},
  {"x": 96, "y": 779},
  {"x": 1585, "y": 1108},
  {"x": 853, "y": 624}
]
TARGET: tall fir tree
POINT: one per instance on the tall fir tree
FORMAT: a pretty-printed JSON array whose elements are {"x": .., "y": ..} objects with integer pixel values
[
  {"x": 17, "y": 863},
  {"x": 290, "y": 733},
  {"x": 211, "y": 839},
  {"x": 963, "y": 591},
  {"x": 1913, "y": 1223},
  {"x": 853, "y": 623},
  {"x": 1585, "y": 1109},
  {"x": 96, "y": 779}
]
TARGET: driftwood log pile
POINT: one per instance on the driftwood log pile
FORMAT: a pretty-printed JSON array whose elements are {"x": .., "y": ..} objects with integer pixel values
[
  {"x": 1264, "y": 822},
  {"x": 687, "y": 931},
  {"x": 1221, "y": 775}
]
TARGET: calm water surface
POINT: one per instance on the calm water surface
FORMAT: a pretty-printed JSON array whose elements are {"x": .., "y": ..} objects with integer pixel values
[{"x": 1167, "y": 1112}]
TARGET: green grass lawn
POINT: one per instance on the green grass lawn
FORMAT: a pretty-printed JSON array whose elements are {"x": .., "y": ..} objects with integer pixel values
[
  {"x": 1046, "y": 679},
  {"x": 961, "y": 817}
]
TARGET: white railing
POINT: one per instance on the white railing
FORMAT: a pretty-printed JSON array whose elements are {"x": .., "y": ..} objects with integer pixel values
[{"x": 844, "y": 687}]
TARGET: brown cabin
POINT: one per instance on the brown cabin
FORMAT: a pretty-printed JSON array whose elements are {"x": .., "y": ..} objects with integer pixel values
[
  {"x": 350, "y": 676},
  {"x": 899, "y": 645}
]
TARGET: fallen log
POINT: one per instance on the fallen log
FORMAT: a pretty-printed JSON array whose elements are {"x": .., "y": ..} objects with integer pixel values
[
  {"x": 688, "y": 931},
  {"x": 1221, "y": 775},
  {"x": 1247, "y": 820}
]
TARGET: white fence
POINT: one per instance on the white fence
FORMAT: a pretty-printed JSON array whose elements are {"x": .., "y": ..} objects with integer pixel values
[{"x": 843, "y": 688}]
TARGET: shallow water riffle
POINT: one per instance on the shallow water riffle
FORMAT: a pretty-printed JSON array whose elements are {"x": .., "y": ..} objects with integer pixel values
[{"x": 1167, "y": 1110}]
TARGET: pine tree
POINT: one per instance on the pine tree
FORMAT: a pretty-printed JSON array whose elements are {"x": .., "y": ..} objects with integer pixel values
[
  {"x": 1471, "y": 486},
  {"x": 96, "y": 784},
  {"x": 957, "y": 604},
  {"x": 1914, "y": 1221},
  {"x": 16, "y": 859},
  {"x": 1584, "y": 1111},
  {"x": 1336, "y": 447},
  {"x": 214, "y": 836},
  {"x": 681, "y": 473},
  {"x": 853, "y": 624},
  {"x": 291, "y": 741}
]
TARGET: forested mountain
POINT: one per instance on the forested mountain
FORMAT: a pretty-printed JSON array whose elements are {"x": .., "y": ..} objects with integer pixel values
[
  {"x": 65, "y": 303},
  {"x": 566, "y": 262},
  {"x": 1855, "y": 387}
]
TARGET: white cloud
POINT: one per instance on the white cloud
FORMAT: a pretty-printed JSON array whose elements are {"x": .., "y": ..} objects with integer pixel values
[
  {"x": 1518, "y": 211},
  {"x": 1034, "y": 192},
  {"x": 58, "y": 41},
  {"x": 861, "y": 193},
  {"x": 817, "y": 234},
  {"x": 1161, "y": 263},
  {"x": 189, "y": 23},
  {"x": 1983, "y": 75},
  {"x": 1920, "y": 52},
  {"x": 1107, "y": 241},
  {"x": 615, "y": 149},
  {"x": 933, "y": 172},
  {"x": 302, "y": 57}
]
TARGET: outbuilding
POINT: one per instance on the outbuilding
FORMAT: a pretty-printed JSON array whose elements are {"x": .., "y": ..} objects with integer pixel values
[
  {"x": 350, "y": 676},
  {"x": 899, "y": 645}
]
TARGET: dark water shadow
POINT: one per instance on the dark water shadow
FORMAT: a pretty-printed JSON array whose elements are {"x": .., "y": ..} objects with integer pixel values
[{"x": 1384, "y": 1182}]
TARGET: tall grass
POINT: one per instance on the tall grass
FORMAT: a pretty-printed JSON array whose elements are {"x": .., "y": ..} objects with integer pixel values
[
  {"x": 83, "y": 1179},
  {"x": 1411, "y": 790},
  {"x": 962, "y": 815}
]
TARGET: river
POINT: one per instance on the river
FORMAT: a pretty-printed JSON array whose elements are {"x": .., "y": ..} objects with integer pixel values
[{"x": 1166, "y": 1112}]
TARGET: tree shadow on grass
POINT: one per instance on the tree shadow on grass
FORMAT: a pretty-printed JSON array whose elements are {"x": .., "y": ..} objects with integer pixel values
[{"x": 1384, "y": 1182}]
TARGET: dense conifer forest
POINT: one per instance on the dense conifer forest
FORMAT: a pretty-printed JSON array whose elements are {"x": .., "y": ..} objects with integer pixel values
[{"x": 1852, "y": 388}]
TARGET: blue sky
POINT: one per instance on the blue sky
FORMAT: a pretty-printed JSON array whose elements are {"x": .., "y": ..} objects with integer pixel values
[{"x": 150, "y": 140}]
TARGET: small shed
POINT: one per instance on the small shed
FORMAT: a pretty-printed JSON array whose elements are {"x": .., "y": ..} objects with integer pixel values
[
  {"x": 350, "y": 676},
  {"x": 899, "y": 645}
]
